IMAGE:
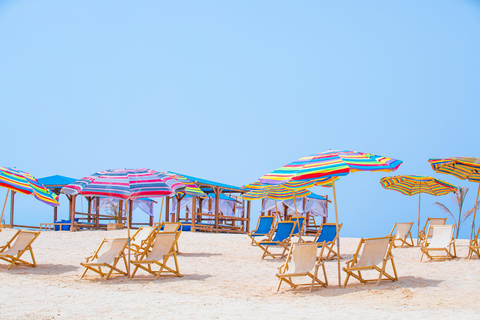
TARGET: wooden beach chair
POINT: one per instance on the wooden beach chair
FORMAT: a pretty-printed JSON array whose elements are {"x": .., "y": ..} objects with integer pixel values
[
  {"x": 281, "y": 238},
  {"x": 172, "y": 227},
  {"x": 20, "y": 243},
  {"x": 140, "y": 238},
  {"x": 442, "y": 244},
  {"x": 328, "y": 233},
  {"x": 298, "y": 231},
  {"x": 402, "y": 232},
  {"x": 264, "y": 228},
  {"x": 304, "y": 257},
  {"x": 158, "y": 252},
  {"x": 474, "y": 246},
  {"x": 426, "y": 233},
  {"x": 375, "y": 255},
  {"x": 108, "y": 259}
]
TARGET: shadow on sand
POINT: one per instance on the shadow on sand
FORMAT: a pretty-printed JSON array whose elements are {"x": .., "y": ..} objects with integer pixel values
[{"x": 41, "y": 269}]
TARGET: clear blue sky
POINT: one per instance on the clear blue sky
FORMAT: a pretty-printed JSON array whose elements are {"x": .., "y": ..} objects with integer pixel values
[{"x": 229, "y": 91}]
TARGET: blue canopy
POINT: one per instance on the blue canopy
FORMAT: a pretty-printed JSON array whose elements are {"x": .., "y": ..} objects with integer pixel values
[
  {"x": 209, "y": 182},
  {"x": 316, "y": 196},
  {"x": 56, "y": 182}
]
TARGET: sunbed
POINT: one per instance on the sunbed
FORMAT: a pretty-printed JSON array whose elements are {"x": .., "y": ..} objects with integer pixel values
[{"x": 20, "y": 243}]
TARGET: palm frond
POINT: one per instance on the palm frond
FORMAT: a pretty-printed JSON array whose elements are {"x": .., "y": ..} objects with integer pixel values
[{"x": 445, "y": 209}]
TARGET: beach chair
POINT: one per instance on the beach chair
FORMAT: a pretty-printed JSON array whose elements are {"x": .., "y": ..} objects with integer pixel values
[
  {"x": 281, "y": 238},
  {"x": 162, "y": 248},
  {"x": 304, "y": 257},
  {"x": 20, "y": 243},
  {"x": 107, "y": 259},
  {"x": 328, "y": 233},
  {"x": 426, "y": 233},
  {"x": 474, "y": 246},
  {"x": 402, "y": 233},
  {"x": 298, "y": 232},
  {"x": 172, "y": 227},
  {"x": 442, "y": 244},
  {"x": 264, "y": 228},
  {"x": 140, "y": 238},
  {"x": 375, "y": 255}
]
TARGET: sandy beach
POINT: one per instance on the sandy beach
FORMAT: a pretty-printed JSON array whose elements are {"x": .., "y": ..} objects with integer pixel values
[{"x": 225, "y": 278}]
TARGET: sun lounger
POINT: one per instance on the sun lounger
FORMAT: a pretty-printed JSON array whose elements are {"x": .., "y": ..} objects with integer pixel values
[
  {"x": 20, "y": 243},
  {"x": 107, "y": 259},
  {"x": 281, "y": 238},
  {"x": 264, "y": 228},
  {"x": 304, "y": 257},
  {"x": 328, "y": 233},
  {"x": 402, "y": 233},
  {"x": 426, "y": 233},
  {"x": 172, "y": 227},
  {"x": 442, "y": 244},
  {"x": 158, "y": 252},
  {"x": 375, "y": 255},
  {"x": 139, "y": 240},
  {"x": 474, "y": 246}
]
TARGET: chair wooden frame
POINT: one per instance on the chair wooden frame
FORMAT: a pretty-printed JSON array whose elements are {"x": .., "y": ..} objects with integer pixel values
[
  {"x": 442, "y": 251},
  {"x": 137, "y": 248},
  {"x": 172, "y": 227},
  {"x": 284, "y": 243},
  {"x": 355, "y": 266},
  {"x": 13, "y": 251},
  {"x": 254, "y": 233},
  {"x": 299, "y": 234},
  {"x": 426, "y": 232},
  {"x": 111, "y": 265},
  {"x": 286, "y": 277},
  {"x": 403, "y": 238},
  {"x": 143, "y": 261},
  {"x": 330, "y": 245},
  {"x": 474, "y": 247}
]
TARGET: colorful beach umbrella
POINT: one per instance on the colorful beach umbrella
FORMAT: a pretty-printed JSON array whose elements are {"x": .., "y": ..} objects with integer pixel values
[
  {"x": 411, "y": 185},
  {"x": 190, "y": 188},
  {"x": 325, "y": 167},
  {"x": 464, "y": 168}
]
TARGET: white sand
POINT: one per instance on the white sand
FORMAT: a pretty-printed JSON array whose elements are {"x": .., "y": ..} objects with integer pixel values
[{"x": 226, "y": 278}]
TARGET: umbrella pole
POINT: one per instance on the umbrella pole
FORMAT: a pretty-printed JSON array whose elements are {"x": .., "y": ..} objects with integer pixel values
[
  {"x": 5, "y": 203},
  {"x": 295, "y": 203},
  {"x": 161, "y": 210},
  {"x": 418, "y": 223},
  {"x": 276, "y": 209},
  {"x": 338, "y": 241},
  {"x": 128, "y": 235},
  {"x": 474, "y": 213}
]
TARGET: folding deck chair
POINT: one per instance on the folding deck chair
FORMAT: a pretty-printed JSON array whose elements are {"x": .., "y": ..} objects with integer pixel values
[
  {"x": 12, "y": 253},
  {"x": 376, "y": 251},
  {"x": 107, "y": 259},
  {"x": 402, "y": 234},
  {"x": 283, "y": 234},
  {"x": 298, "y": 231},
  {"x": 441, "y": 244},
  {"x": 426, "y": 233},
  {"x": 139, "y": 240},
  {"x": 264, "y": 228},
  {"x": 159, "y": 250},
  {"x": 305, "y": 259},
  {"x": 474, "y": 246},
  {"x": 328, "y": 233},
  {"x": 172, "y": 227}
]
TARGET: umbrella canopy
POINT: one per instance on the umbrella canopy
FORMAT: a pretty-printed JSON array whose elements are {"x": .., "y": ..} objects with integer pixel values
[
  {"x": 190, "y": 188},
  {"x": 25, "y": 183},
  {"x": 464, "y": 168},
  {"x": 325, "y": 167},
  {"x": 410, "y": 185},
  {"x": 257, "y": 191}
]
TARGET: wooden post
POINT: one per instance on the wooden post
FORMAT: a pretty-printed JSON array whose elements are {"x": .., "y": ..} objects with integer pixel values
[
  {"x": 89, "y": 208},
  {"x": 418, "y": 223},
  {"x": 4, "y": 204},
  {"x": 338, "y": 235},
  {"x": 326, "y": 206},
  {"x": 130, "y": 213},
  {"x": 167, "y": 209},
  {"x": 474, "y": 213},
  {"x": 128, "y": 236},
  {"x": 97, "y": 213},
  {"x": 12, "y": 207},
  {"x": 194, "y": 211},
  {"x": 72, "y": 213},
  {"x": 248, "y": 216},
  {"x": 120, "y": 211},
  {"x": 217, "y": 191},
  {"x": 55, "y": 209}
]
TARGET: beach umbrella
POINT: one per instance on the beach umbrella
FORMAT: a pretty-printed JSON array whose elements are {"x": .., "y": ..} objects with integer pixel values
[
  {"x": 411, "y": 185},
  {"x": 23, "y": 182},
  {"x": 126, "y": 184},
  {"x": 464, "y": 168},
  {"x": 321, "y": 167}
]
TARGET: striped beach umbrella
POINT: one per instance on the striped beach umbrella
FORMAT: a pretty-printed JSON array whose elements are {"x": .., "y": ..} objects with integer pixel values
[
  {"x": 411, "y": 185},
  {"x": 329, "y": 165},
  {"x": 25, "y": 183},
  {"x": 464, "y": 168},
  {"x": 257, "y": 191},
  {"x": 190, "y": 188}
]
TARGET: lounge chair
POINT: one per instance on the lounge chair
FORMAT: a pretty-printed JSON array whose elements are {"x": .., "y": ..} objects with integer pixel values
[
  {"x": 426, "y": 233},
  {"x": 474, "y": 246},
  {"x": 328, "y": 233},
  {"x": 305, "y": 259},
  {"x": 441, "y": 244},
  {"x": 298, "y": 232},
  {"x": 159, "y": 250},
  {"x": 139, "y": 240},
  {"x": 403, "y": 231},
  {"x": 281, "y": 238},
  {"x": 23, "y": 243},
  {"x": 107, "y": 259},
  {"x": 376, "y": 251},
  {"x": 172, "y": 227},
  {"x": 264, "y": 228}
]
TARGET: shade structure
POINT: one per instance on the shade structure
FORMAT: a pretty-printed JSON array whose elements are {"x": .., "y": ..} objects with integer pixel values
[
  {"x": 410, "y": 185},
  {"x": 23, "y": 182},
  {"x": 325, "y": 167},
  {"x": 464, "y": 168}
]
